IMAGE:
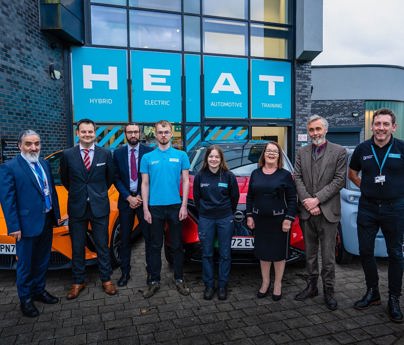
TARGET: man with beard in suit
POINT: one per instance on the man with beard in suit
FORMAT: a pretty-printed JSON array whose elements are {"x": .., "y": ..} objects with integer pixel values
[
  {"x": 87, "y": 172},
  {"x": 320, "y": 170},
  {"x": 30, "y": 206},
  {"x": 128, "y": 182}
]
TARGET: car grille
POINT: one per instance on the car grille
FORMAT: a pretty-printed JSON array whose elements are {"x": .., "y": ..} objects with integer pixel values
[
  {"x": 7, "y": 261},
  {"x": 58, "y": 260}
]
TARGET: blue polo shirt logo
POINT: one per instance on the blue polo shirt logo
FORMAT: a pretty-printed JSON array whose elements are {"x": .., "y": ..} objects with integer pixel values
[
  {"x": 175, "y": 160},
  {"x": 222, "y": 184}
]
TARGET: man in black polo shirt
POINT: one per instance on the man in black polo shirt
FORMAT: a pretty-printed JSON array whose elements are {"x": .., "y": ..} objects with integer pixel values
[{"x": 381, "y": 161}]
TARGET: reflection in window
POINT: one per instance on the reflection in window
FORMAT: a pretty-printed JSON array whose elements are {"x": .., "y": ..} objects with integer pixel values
[
  {"x": 154, "y": 30},
  {"x": 225, "y": 8},
  {"x": 275, "y": 11},
  {"x": 224, "y": 37},
  {"x": 108, "y": 26},
  {"x": 192, "y": 6},
  {"x": 172, "y": 5},
  {"x": 110, "y": 2},
  {"x": 268, "y": 42},
  {"x": 192, "y": 38}
]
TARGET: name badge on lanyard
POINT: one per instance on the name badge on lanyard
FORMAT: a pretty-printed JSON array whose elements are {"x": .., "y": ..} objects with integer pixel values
[{"x": 381, "y": 178}]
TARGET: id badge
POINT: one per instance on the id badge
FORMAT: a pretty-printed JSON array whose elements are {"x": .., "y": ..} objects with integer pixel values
[{"x": 380, "y": 179}]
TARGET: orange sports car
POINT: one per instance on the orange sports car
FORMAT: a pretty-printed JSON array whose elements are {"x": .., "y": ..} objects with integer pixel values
[{"x": 61, "y": 246}]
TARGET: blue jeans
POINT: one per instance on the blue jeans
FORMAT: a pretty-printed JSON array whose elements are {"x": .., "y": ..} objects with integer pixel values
[
  {"x": 389, "y": 216},
  {"x": 161, "y": 215},
  {"x": 207, "y": 230}
]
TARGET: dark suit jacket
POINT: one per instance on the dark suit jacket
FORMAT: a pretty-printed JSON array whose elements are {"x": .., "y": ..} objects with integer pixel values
[
  {"x": 326, "y": 188},
  {"x": 87, "y": 186},
  {"x": 122, "y": 178},
  {"x": 22, "y": 199}
]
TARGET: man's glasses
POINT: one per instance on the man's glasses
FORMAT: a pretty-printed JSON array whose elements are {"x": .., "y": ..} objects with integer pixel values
[{"x": 163, "y": 132}]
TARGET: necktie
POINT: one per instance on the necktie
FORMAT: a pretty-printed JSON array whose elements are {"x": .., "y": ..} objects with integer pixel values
[
  {"x": 43, "y": 184},
  {"x": 133, "y": 168},
  {"x": 86, "y": 159}
]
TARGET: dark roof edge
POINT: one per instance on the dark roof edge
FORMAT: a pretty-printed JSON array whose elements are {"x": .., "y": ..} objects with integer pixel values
[{"x": 356, "y": 66}]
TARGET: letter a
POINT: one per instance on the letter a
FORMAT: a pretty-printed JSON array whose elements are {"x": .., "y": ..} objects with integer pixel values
[{"x": 230, "y": 87}]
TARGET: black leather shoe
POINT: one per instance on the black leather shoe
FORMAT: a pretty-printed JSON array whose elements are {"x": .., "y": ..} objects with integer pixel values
[
  {"x": 372, "y": 297},
  {"x": 276, "y": 298},
  {"x": 393, "y": 308},
  {"x": 310, "y": 291},
  {"x": 46, "y": 297},
  {"x": 208, "y": 293},
  {"x": 222, "y": 293},
  {"x": 329, "y": 299},
  {"x": 124, "y": 279},
  {"x": 28, "y": 308}
]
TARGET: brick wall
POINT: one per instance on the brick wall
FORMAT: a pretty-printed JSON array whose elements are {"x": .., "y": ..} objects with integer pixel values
[
  {"x": 29, "y": 98},
  {"x": 302, "y": 98},
  {"x": 339, "y": 113}
]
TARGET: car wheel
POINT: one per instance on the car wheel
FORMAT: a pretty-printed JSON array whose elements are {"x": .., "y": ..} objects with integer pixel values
[
  {"x": 342, "y": 257},
  {"x": 168, "y": 254},
  {"x": 115, "y": 244}
]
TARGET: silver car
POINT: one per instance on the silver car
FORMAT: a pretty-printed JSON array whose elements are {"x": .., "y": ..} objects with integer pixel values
[{"x": 347, "y": 238}]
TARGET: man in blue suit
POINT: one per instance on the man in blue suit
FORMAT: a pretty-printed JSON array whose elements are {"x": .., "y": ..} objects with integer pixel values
[
  {"x": 128, "y": 181},
  {"x": 30, "y": 206}
]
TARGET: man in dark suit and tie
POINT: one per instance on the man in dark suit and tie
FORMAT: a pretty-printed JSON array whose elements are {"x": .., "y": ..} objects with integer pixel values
[
  {"x": 30, "y": 206},
  {"x": 87, "y": 172},
  {"x": 128, "y": 181},
  {"x": 320, "y": 170}
]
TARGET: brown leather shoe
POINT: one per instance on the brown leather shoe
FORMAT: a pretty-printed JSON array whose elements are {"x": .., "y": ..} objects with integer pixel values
[
  {"x": 75, "y": 290},
  {"x": 109, "y": 288}
]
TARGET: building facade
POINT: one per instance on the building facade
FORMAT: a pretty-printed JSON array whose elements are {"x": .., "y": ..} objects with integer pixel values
[
  {"x": 348, "y": 95},
  {"x": 218, "y": 70}
]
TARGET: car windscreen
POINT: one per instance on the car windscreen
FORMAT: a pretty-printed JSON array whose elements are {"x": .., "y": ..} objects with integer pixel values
[{"x": 241, "y": 160}]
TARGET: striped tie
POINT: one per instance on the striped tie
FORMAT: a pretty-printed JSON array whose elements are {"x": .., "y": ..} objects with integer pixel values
[{"x": 87, "y": 162}]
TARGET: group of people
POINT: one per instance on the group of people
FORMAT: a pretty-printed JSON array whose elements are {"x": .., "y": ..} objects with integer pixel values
[{"x": 149, "y": 182}]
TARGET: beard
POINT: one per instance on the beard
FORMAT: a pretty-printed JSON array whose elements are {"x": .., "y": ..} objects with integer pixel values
[
  {"x": 132, "y": 141},
  {"x": 318, "y": 141},
  {"x": 31, "y": 157}
]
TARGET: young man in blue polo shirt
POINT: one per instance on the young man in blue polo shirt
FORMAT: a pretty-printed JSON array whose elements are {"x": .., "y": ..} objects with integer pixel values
[{"x": 162, "y": 171}]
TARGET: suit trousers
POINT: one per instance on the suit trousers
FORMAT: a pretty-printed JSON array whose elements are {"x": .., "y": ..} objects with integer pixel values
[
  {"x": 126, "y": 220},
  {"x": 320, "y": 233},
  {"x": 161, "y": 215},
  {"x": 78, "y": 229},
  {"x": 389, "y": 216},
  {"x": 33, "y": 259}
]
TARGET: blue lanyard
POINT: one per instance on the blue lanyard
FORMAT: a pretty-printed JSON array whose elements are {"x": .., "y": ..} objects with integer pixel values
[{"x": 384, "y": 159}]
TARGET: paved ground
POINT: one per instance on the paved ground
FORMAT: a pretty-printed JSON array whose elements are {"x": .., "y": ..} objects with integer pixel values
[{"x": 169, "y": 318}]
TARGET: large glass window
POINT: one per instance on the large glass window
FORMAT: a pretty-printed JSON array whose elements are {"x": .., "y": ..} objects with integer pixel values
[
  {"x": 225, "y": 8},
  {"x": 154, "y": 30},
  {"x": 171, "y": 5},
  {"x": 275, "y": 11},
  {"x": 192, "y": 6},
  {"x": 225, "y": 37},
  {"x": 269, "y": 42},
  {"x": 108, "y": 26},
  {"x": 192, "y": 33}
]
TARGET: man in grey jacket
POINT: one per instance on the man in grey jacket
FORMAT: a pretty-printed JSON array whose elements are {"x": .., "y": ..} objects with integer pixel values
[{"x": 320, "y": 171}]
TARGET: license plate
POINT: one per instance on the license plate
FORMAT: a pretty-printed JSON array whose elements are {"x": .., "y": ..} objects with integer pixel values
[
  {"x": 7, "y": 249},
  {"x": 242, "y": 242}
]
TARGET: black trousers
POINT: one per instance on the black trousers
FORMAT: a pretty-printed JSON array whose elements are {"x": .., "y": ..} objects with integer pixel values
[
  {"x": 78, "y": 228},
  {"x": 161, "y": 215},
  {"x": 126, "y": 220},
  {"x": 389, "y": 216}
]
